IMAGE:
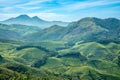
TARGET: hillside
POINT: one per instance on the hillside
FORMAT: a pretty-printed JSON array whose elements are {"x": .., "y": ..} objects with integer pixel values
[
  {"x": 7, "y": 34},
  {"x": 54, "y": 32},
  {"x": 86, "y": 29},
  {"x": 16, "y": 31},
  {"x": 81, "y": 61}
]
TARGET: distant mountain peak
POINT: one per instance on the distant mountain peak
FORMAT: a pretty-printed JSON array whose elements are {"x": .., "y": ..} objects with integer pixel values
[
  {"x": 89, "y": 18},
  {"x": 54, "y": 25},
  {"x": 23, "y": 16},
  {"x": 37, "y": 18}
]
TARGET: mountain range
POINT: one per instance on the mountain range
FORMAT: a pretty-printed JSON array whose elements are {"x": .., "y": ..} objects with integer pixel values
[
  {"x": 87, "y": 49},
  {"x": 86, "y": 29},
  {"x": 33, "y": 21}
]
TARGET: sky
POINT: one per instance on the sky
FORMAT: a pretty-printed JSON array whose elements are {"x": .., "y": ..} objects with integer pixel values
[{"x": 60, "y": 10}]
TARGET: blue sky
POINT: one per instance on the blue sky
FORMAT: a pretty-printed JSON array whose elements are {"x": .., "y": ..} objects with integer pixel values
[{"x": 60, "y": 10}]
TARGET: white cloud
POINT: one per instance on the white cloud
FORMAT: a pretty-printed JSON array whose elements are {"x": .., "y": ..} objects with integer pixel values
[
  {"x": 11, "y": 5},
  {"x": 48, "y": 16},
  {"x": 89, "y": 4},
  {"x": 32, "y": 5},
  {"x": 7, "y": 8},
  {"x": 28, "y": 8},
  {"x": 11, "y": 2},
  {"x": 34, "y": 2},
  {"x": 6, "y": 16}
]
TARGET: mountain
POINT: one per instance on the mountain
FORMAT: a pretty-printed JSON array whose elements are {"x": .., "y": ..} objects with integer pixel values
[
  {"x": 33, "y": 21},
  {"x": 86, "y": 29},
  {"x": 93, "y": 29}
]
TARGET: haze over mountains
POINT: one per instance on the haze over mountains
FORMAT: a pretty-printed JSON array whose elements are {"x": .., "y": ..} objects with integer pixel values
[
  {"x": 34, "y": 49},
  {"x": 86, "y": 29},
  {"x": 33, "y": 21}
]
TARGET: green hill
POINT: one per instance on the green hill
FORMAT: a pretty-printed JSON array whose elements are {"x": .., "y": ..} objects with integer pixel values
[{"x": 86, "y": 29}]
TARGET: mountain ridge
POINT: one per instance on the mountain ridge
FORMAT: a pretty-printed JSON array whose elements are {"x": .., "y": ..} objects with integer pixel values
[
  {"x": 33, "y": 21},
  {"x": 87, "y": 29}
]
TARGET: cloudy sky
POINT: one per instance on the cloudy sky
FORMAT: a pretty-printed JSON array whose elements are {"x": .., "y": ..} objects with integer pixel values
[{"x": 60, "y": 10}]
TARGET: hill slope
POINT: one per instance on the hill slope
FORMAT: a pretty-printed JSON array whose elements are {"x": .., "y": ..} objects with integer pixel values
[{"x": 16, "y": 31}]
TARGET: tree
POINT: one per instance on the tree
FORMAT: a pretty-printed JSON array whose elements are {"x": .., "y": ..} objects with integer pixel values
[
  {"x": 1, "y": 58},
  {"x": 39, "y": 62},
  {"x": 118, "y": 61}
]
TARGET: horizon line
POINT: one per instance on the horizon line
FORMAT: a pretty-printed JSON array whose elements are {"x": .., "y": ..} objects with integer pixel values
[{"x": 31, "y": 16}]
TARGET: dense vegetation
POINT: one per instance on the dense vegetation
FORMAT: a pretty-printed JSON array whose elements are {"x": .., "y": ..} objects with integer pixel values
[{"x": 88, "y": 49}]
